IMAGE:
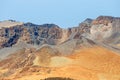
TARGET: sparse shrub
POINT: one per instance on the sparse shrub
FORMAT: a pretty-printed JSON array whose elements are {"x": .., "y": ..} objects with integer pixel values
[{"x": 57, "y": 78}]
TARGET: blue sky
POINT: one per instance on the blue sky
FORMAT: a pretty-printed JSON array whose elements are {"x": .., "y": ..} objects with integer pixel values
[{"x": 65, "y": 13}]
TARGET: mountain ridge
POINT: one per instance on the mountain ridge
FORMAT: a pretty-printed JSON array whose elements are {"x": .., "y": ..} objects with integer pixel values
[
  {"x": 99, "y": 29},
  {"x": 89, "y": 51}
]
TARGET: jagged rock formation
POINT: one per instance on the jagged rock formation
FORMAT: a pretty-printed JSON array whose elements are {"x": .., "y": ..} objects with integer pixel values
[
  {"x": 106, "y": 28},
  {"x": 103, "y": 28},
  {"x": 31, "y": 34}
]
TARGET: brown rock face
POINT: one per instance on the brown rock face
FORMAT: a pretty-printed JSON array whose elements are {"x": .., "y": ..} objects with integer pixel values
[
  {"x": 40, "y": 34},
  {"x": 106, "y": 29},
  {"x": 83, "y": 28},
  {"x": 30, "y": 33},
  {"x": 10, "y": 36},
  {"x": 103, "y": 20},
  {"x": 99, "y": 29}
]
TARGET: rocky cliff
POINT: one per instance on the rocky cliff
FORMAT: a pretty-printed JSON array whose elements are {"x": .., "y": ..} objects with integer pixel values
[
  {"x": 30, "y": 33},
  {"x": 106, "y": 29},
  {"x": 102, "y": 29}
]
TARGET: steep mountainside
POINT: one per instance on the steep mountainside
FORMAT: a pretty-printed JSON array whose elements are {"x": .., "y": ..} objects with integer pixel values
[
  {"x": 103, "y": 28},
  {"x": 106, "y": 28},
  {"x": 89, "y": 51}
]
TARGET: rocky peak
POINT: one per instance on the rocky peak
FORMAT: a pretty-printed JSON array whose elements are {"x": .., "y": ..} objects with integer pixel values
[
  {"x": 103, "y": 20},
  {"x": 87, "y": 21},
  {"x": 106, "y": 28},
  {"x": 49, "y": 25},
  {"x": 30, "y": 24},
  {"x": 12, "y": 20}
]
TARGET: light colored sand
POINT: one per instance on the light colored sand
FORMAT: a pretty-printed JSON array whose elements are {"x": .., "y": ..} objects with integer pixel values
[
  {"x": 3, "y": 70},
  {"x": 60, "y": 61},
  {"x": 55, "y": 61},
  {"x": 94, "y": 63},
  {"x": 8, "y": 24},
  {"x": 118, "y": 45},
  {"x": 64, "y": 36},
  {"x": 35, "y": 62}
]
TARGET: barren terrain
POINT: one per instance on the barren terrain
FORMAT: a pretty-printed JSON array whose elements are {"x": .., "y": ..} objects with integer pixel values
[{"x": 96, "y": 63}]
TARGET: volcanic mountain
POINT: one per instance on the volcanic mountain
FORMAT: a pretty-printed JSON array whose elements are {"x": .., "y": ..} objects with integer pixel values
[{"x": 89, "y": 51}]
